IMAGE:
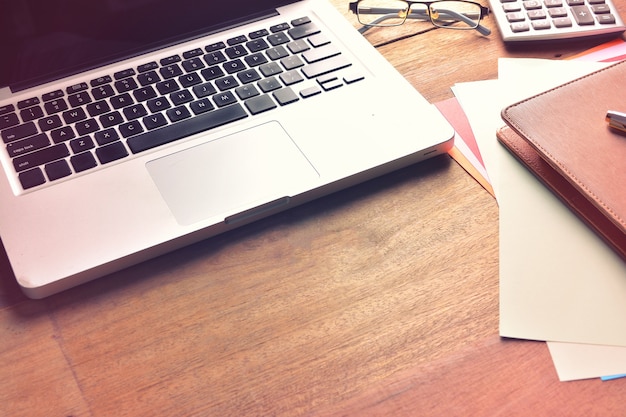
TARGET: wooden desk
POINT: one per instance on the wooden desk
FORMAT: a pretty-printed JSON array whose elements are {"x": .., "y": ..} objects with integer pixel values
[{"x": 380, "y": 300}]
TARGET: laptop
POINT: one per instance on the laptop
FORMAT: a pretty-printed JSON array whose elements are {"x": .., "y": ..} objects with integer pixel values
[{"x": 131, "y": 128}]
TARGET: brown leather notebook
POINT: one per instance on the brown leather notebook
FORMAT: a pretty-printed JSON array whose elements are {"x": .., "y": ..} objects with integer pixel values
[{"x": 562, "y": 137}]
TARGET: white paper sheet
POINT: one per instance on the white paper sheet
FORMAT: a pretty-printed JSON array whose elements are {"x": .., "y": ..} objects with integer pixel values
[{"x": 558, "y": 281}]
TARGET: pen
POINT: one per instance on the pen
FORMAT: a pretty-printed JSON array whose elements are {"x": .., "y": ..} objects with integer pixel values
[{"x": 616, "y": 120}]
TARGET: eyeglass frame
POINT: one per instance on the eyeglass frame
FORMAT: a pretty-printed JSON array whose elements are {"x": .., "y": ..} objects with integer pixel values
[{"x": 484, "y": 12}]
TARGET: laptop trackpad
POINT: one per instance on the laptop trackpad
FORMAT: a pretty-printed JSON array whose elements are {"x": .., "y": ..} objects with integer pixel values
[{"x": 232, "y": 173}]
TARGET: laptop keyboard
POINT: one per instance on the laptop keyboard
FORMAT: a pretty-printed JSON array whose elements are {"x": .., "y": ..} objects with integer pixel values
[{"x": 88, "y": 125}]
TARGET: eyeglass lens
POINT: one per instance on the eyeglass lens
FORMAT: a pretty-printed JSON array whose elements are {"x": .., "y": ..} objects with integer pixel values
[{"x": 452, "y": 14}]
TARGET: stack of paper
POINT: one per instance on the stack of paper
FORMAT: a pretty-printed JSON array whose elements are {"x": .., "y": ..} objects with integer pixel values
[{"x": 558, "y": 281}]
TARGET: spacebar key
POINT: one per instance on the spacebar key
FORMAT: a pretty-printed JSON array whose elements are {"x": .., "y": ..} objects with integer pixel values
[{"x": 187, "y": 127}]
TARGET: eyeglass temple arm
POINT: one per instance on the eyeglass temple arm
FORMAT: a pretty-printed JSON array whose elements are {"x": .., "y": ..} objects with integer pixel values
[{"x": 393, "y": 13}]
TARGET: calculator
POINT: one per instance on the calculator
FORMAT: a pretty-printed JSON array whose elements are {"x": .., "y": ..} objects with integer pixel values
[{"x": 532, "y": 20}]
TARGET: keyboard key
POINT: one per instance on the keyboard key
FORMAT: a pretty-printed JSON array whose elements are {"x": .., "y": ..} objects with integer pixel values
[
  {"x": 124, "y": 74},
  {"x": 169, "y": 60},
  {"x": 79, "y": 99},
  {"x": 23, "y": 146},
  {"x": 154, "y": 121},
  {"x": 193, "y": 64},
  {"x": 57, "y": 170},
  {"x": 103, "y": 91},
  {"x": 189, "y": 79},
  {"x": 181, "y": 97},
  {"x": 278, "y": 39},
  {"x": 234, "y": 66},
  {"x": 106, "y": 136},
  {"x": 176, "y": 131},
  {"x": 86, "y": 127},
  {"x": 279, "y": 27},
  {"x": 9, "y": 108},
  {"x": 269, "y": 84},
  {"x": 101, "y": 81},
  {"x": 236, "y": 40},
  {"x": 130, "y": 128},
  {"x": 255, "y": 60},
  {"x": 111, "y": 152},
  {"x": 49, "y": 123},
  {"x": 248, "y": 76},
  {"x": 167, "y": 86},
  {"x": 62, "y": 134},
  {"x": 224, "y": 99},
  {"x": 8, "y": 120},
  {"x": 76, "y": 88},
  {"x": 247, "y": 91},
  {"x": 145, "y": 93},
  {"x": 98, "y": 108},
  {"x": 300, "y": 21},
  {"x": 125, "y": 85},
  {"x": 193, "y": 53},
  {"x": 170, "y": 71},
  {"x": 31, "y": 113},
  {"x": 134, "y": 112},
  {"x": 178, "y": 113},
  {"x": 226, "y": 83},
  {"x": 27, "y": 103},
  {"x": 201, "y": 106},
  {"x": 326, "y": 66},
  {"x": 257, "y": 45},
  {"x": 147, "y": 67},
  {"x": 277, "y": 53},
  {"x": 53, "y": 95},
  {"x": 158, "y": 104},
  {"x": 83, "y": 161},
  {"x": 121, "y": 101},
  {"x": 18, "y": 132},
  {"x": 81, "y": 144},
  {"x": 215, "y": 46},
  {"x": 260, "y": 104},
  {"x": 212, "y": 73},
  {"x": 40, "y": 157},
  {"x": 204, "y": 90},
  {"x": 55, "y": 106},
  {"x": 302, "y": 31},
  {"x": 111, "y": 119},
  {"x": 318, "y": 54},
  {"x": 291, "y": 77},
  {"x": 285, "y": 96},
  {"x": 31, "y": 178},
  {"x": 148, "y": 78},
  {"x": 236, "y": 51}
]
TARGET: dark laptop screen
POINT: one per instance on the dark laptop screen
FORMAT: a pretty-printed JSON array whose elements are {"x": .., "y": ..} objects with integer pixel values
[{"x": 42, "y": 40}]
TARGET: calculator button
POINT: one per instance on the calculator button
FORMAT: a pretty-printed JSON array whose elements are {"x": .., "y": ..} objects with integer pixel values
[
  {"x": 520, "y": 27},
  {"x": 606, "y": 19},
  {"x": 600, "y": 8},
  {"x": 557, "y": 12},
  {"x": 541, "y": 25},
  {"x": 515, "y": 17},
  {"x": 532, "y": 5},
  {"x": 562, "y": 22},
  {"x": 536, "y": 14},
  {"x": 582, "y": 15}
]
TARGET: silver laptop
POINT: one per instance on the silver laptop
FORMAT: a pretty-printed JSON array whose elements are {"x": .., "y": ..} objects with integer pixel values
[{"x": 133, "y": 127}]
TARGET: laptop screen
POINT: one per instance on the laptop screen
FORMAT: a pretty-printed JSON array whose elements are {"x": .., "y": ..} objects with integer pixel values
[{"x": 45, "y": 40}]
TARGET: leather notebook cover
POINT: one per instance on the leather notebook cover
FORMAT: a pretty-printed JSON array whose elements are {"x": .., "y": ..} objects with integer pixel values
[{"x": 562, "y": 137}]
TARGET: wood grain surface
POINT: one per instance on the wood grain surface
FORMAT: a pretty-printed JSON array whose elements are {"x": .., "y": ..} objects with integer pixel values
[{"x": 381, "y": 300}]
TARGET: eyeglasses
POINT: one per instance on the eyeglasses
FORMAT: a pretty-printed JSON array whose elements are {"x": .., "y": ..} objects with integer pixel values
[{"x": 449, "y": 14}]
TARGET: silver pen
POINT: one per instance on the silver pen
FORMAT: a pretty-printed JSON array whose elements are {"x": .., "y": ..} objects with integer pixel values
[{"x": 616, "y": 120}]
